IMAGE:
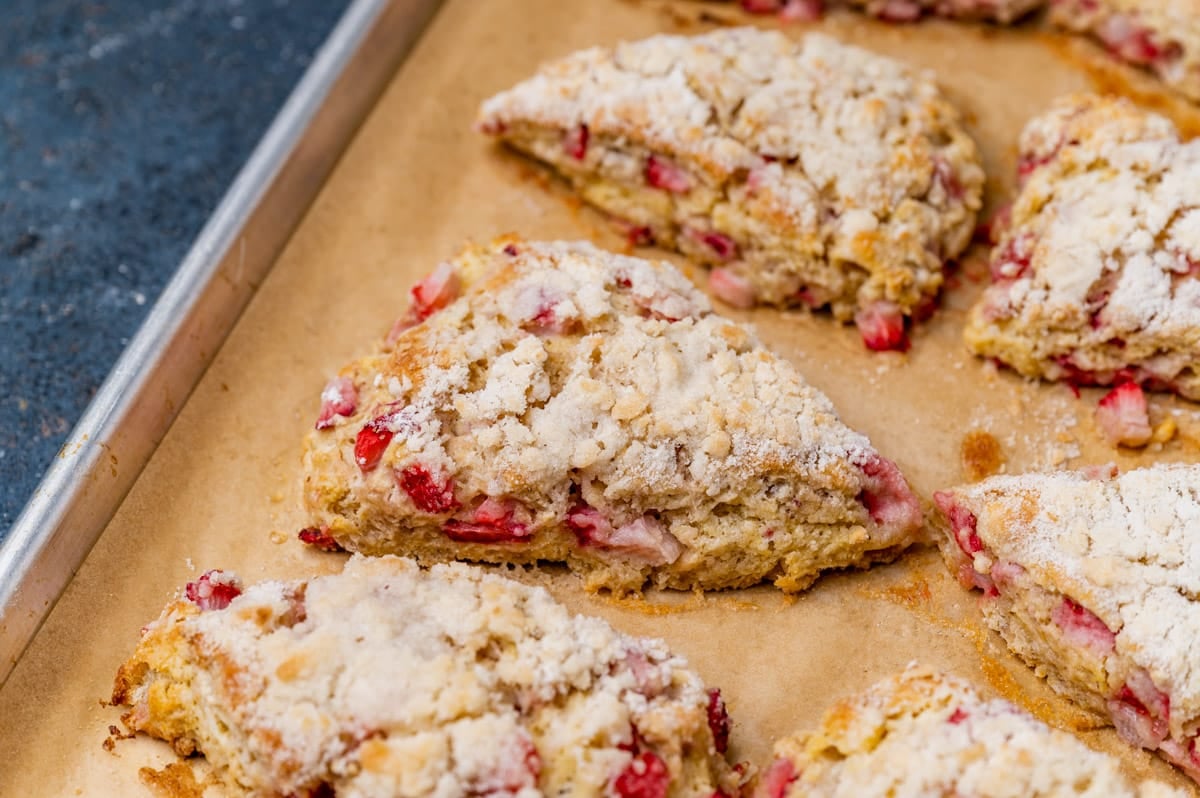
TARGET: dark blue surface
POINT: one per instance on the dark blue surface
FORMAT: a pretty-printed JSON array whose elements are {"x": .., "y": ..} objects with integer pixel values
[{"x": 121, "y": 125}]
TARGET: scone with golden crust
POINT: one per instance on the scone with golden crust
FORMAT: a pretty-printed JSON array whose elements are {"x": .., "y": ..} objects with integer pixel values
[
  {"x": 386, "y": 681},
  {"x": 1096, "y": 278},
  {"x": 1161, "y": 35},
  {"x": 806, "y": 172},
  {"x": 1092, "y": 579},
  {"x": 922, "y": 734},
  {"x": 578, "y": 406}
]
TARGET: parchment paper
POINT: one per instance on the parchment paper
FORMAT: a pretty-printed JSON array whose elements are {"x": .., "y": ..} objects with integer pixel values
[{"x": 222, "y": 490}]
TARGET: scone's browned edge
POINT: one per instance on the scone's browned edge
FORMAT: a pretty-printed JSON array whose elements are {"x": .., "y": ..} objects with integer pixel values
[
  {"x": 550, "y": 401},
  {"x": 388, "y": 681}
]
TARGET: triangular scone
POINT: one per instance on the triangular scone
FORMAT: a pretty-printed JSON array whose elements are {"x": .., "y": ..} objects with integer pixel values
[
  {"x": 1093, "y": 580},
  {"x": 921, "y": 734},
  {"x": 1096, "y": 276},
  {"x": 1161, "y": 35},
  {"x": 575, "y": 405},
  {"x": 809, "y": 172},
  {"x": 387, "y": 681}
]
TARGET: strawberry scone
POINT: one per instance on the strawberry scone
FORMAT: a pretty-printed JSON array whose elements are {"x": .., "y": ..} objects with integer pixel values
[
  {"x": 921, "y": 734},
  {"x": 1161, "y": 35},
  {"x": 388, "y": 681},
  {"x": 805, "y": 172},
  {"x": 1092, "y": 579},
  {"x": 1001, "y": 11},
  {"x": 578, "y": 406},
  {"x": 1096, "y": 276}
]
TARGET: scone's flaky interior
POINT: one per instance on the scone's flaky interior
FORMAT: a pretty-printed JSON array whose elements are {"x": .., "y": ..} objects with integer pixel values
[
  {"x": 1096, "y": 275},
  {"x": 577, "y": 406},
  {"x": 387, "y": 681},
  {"x": 809, "y": 173},
  {"x": 1092, "y": 580},
  {"x": 923, "y": 734}
]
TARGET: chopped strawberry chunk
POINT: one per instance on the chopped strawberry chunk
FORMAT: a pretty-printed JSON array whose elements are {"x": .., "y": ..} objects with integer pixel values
[
  {"x": 889, "y": 500},
  {"x": 963, "y": 522},
  {"x": 718, "y": 720},
  {"x": 899, "y": 11},
  {"x": 943, "y": 172},
  {"x": 802, "y": 10},
  {"x": 1123, "y": 417},
  {"x": 957, "y": 716},
  {"x": 517, "y": 771},
  {"x": 649, "y": 678},
  {"x": 428, "y": 493},
  {"x": 435, "y": 291},
  {"x": 881, "y": 324},
  {"x": 645, "y": 777},
  {"x": 319, "y": 537},
  {"x": 637, "y": 235},
  {"x": 576, "y": 142},
  {"x": 214, "y": 590},
  {"x": 1081, "y": 627},
  {"x": 493, "y": 521},
  {"x": 1137, "y": 722},
  {"x": 731, "y": 287},
  {"x": 762, "y": 6},
  {"x": 371, "y": 442},
  {"x": 644, "y": 538},
  {"x": 511, "y": 250},
  {"x": 721, "y": 245},
  {"x": 537, "y": 308},
  {"x": 662, "y": 173},
  {"x": 1134, "y": 43},
  {"x": 339, "y": 398},
  {"x": 775, "y": 780},
  {"x": 1013, "y": 260}
]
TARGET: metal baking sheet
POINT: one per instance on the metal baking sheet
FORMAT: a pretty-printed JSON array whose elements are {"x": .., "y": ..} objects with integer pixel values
[
  {"x": 222, "y": 489},
  {"x": 154, "y": 376}
]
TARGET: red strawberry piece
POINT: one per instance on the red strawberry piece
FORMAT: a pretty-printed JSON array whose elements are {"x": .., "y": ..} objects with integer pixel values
[
  {"x": 899, "y": 11},
  {"x": 339, "y": 398},
  {"x": 1137, "y": 722},
  {"x": 718, "y": 720},
  {"x": 1005, "y": 574},
  {"x": 1123, "y": 417},
  {"x": 1101, "y": 472},
  {"x": 517, "y": 770},
  {"x": 428, "y": 493},
  {"x": 511, "y": 250},
  {"x": 1081, "y": 627},
  {"x": 648, "y": 677},
  {"x": 590, "y": 526},
  {"x": 662, "y": 173},
  {"x": 437, "y": 290},
  {"x": 731, "y": 288},
  {"x": 493, "y": 521},
  {"x": 943, "y": 173},
  {"x": 536, "y": 307},
  {"x": 721, "y": 245},
  {"x": 213, "y": 590},
  {"x": 963, "y": 522},
  {"x": 1136, "y": 44},
  {"x": 636, "y": 235},
  {"x": 889, "y": 500},
  {"x": 957, "y": 716},
  {"x": 802, "y": 10},
  {"x": 775, "y": 780},
  {"x": 1013, "y": 260},
  {"x": 645, "y": 777},
  {"x": 371, "y": 442},
  {"x": 645, "y": 538},
  {"x": 762, "y": 6},
  {"x": 881, "y": 325},
  {"x": 319, "y": 537},
  {"x": 575, "y": 142}
]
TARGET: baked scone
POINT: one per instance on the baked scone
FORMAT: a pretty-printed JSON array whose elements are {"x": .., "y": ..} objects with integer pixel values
[
  {"x": 1001, "y": 11},
  {"x": 922, "y": 734},
  {"x": 1092, "y": 579},
  {"x": 1161, "y": 35},
  {"x": 806, "y": 172},
  {"x": 388, "y": 681},
  {"x": 1096, "y": 278},
  {"x": 578, "y": 406}
]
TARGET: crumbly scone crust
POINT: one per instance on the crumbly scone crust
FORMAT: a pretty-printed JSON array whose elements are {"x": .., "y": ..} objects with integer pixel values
[
  {"x": 830, "y": 175},
  {"x": 1163, "y": 35},
  {"x": 1092, "y": 581},
  {"x": 574, "y": 387},
  {"x": 922, "y": 733},
  {"x": 1097, "y": 277},
  {"x": 386, "y": 680}
]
